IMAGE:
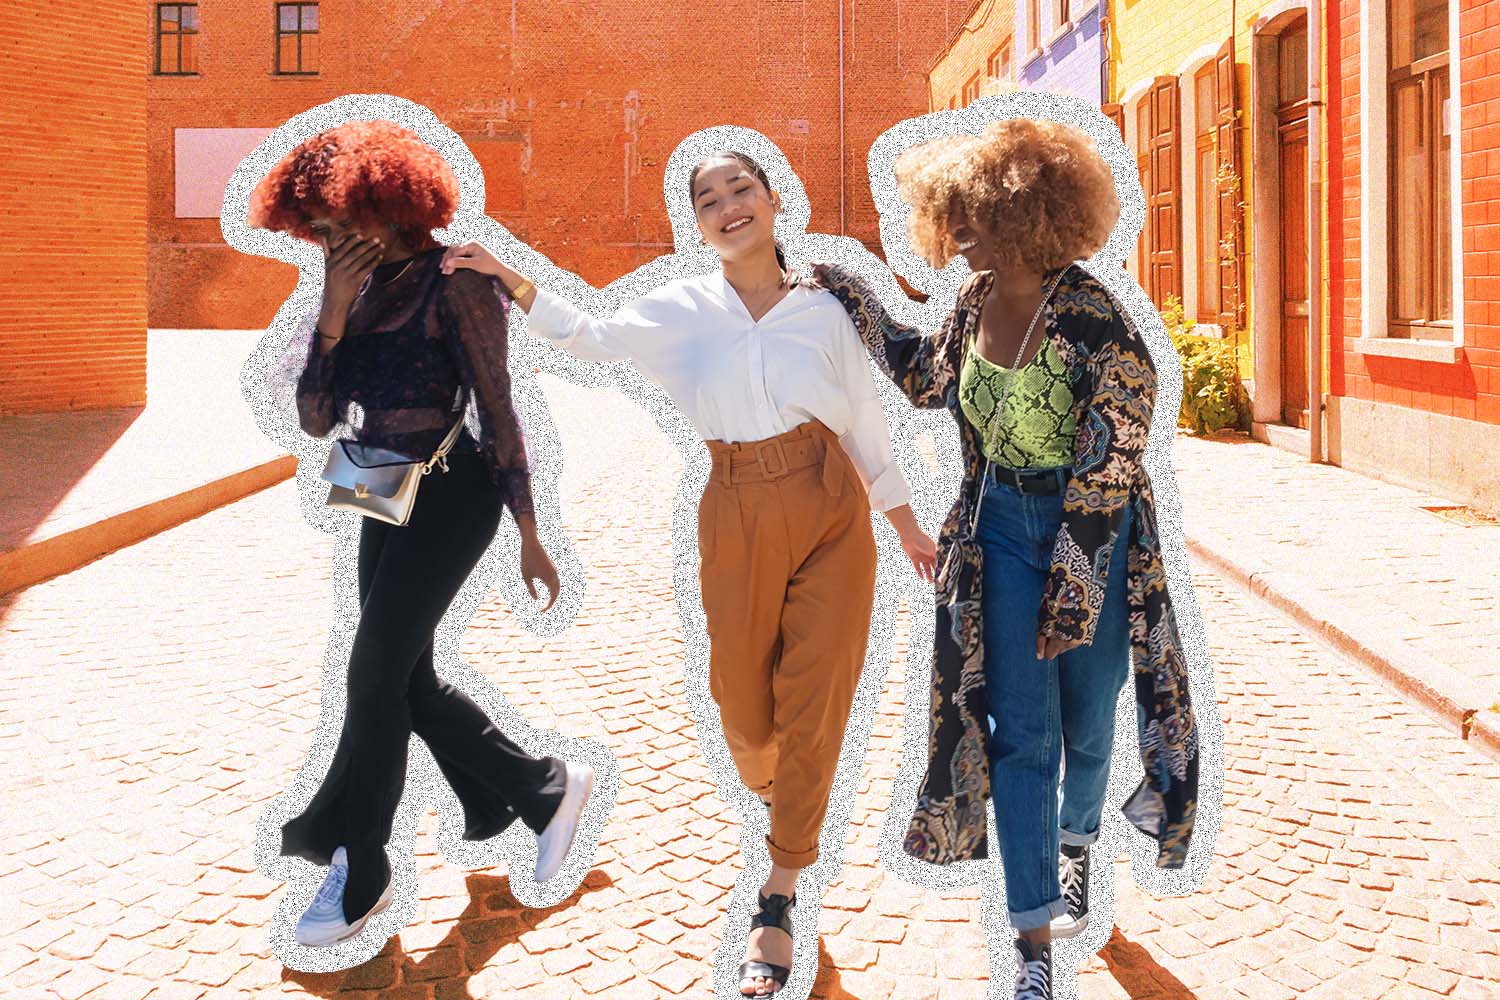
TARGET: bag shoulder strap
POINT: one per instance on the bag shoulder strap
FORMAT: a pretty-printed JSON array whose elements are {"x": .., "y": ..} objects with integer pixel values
[{"x": 446, "y": 446}]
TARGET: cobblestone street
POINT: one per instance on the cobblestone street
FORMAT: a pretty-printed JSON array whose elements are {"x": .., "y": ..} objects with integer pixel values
[{"x": 160, "y": 697}]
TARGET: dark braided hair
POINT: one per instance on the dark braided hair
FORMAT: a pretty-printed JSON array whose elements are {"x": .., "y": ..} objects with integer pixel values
[{"x": 756, "y": 170}]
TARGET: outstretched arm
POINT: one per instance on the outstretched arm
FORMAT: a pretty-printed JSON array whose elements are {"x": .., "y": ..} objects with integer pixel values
[
  {"x": 476, "y": 257},
  {"x": 913, "y": 360},
  {"x": 558, "y": 320}
]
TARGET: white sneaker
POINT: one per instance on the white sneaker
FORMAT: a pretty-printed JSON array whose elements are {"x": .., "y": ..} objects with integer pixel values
[
  {"x": 556, "y": 839},
  {"x": 323, "y": 925}
]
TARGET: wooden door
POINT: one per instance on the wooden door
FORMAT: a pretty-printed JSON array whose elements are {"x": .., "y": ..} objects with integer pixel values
[
  {"x": 1228, "y": 162},
  {"x": 1143, "y": 167},
  {"x": 1163, "y": 197},
  {"x": 1291, "y": 122},
  {"x": 1294, "y": 283}
]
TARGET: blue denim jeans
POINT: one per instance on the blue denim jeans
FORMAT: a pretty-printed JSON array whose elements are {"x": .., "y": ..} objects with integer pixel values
[{"x": 1044, "y": 712}]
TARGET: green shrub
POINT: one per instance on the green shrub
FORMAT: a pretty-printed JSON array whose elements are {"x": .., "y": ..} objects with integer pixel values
[{"x": 1213, "y": 397}]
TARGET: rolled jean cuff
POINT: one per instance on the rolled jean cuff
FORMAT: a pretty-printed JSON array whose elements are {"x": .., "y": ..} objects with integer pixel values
[
  {"x": 791, "y": 859},
  {"x": 1039, "y": 916},
  {"x": 1076, "y": 839}
]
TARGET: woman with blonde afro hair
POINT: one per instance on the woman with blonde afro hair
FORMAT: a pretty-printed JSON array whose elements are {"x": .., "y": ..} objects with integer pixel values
[
  {"x": 395, "y": 355},
  {"x": 1052, "y": 585},
  {"x": 1039, "y": 183}
]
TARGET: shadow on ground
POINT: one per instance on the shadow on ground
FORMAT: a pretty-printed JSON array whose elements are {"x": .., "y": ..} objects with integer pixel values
[
  {"x": 1138, "y": 972},
  {"x": 44, "y": 455},
  {"x": 493, "y": 919}
]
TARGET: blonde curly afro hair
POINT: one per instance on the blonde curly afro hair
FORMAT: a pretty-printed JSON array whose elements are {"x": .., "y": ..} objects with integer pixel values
[
  {"x": 1040, "y": 186},
  {"x": 370, "y": 171}
]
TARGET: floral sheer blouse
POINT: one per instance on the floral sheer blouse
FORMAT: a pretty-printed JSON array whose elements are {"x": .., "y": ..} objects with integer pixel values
[{"x": 417, "y": 346}]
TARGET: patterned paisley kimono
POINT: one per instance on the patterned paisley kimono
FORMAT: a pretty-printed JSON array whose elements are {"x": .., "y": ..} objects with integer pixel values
[{"x": 1114, "y": 385}]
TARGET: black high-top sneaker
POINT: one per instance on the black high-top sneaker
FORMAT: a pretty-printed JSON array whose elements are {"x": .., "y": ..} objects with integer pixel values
[
  {"x": 1073, "y": 880},
  {"x": 1033, "y": 971}
]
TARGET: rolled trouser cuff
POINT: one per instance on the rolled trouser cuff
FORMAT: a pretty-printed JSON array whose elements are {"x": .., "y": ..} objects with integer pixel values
[
  {"x": 1076, "y": 839},
  {"x": 1038, "y": 916},
  {"x": 791, "y": 859}
]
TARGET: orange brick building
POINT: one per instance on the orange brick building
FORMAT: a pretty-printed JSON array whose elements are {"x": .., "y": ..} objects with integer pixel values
[
  {"x": 571, "y": 115},
  {"x": 1414, "y": 242},
  {"x": 73, "y": 233},
  {"x": 980, "y": 55}
]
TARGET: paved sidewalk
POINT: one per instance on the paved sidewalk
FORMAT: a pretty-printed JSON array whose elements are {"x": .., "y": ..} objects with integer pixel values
[
  {"x": 161, "y": 696},
  {"x": 78, "y": 485},
  {"x": 1412, "y": 596}
]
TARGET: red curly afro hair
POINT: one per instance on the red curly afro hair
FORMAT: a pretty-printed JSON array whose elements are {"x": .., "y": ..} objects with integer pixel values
[{"x": 365, "y": 171}]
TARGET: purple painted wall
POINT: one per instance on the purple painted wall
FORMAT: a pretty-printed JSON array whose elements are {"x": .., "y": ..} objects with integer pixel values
[{"x": 1072, "y": 63}]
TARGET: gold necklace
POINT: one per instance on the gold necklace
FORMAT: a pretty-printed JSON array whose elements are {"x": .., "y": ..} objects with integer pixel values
[{"x": 409, "y": 261}]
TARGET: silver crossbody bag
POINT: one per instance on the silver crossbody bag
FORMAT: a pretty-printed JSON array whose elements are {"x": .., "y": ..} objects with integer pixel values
[{"x": 378, "y": 482}]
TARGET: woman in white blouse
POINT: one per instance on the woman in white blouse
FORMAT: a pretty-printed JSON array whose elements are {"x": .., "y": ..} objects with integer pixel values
[{"x": 773, "y": 375}]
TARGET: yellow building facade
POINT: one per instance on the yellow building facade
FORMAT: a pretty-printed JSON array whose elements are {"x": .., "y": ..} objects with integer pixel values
[{"x": 1196, "y": 89}]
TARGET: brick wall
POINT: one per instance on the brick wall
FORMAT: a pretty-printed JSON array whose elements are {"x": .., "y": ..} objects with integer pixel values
[
  {"x": 1342, "y": 155},
  {"x": 1469, "y": 388},
  {"x": 72, "y": 236},
  {"x": 1479, "y": 73},
  {"x": 989, "y": 26},
  {"x": 573, "y": 117}
]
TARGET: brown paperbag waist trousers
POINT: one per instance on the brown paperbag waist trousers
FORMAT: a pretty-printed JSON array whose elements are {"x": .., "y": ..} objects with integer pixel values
[{"x": 788, "y": 582}]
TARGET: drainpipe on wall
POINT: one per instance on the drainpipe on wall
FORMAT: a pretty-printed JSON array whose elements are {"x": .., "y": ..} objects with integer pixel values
[
  {"x": 1104, "y": 94},
  {"x": 1315, "y": 231},
  {"x": 843, "y": 152}
]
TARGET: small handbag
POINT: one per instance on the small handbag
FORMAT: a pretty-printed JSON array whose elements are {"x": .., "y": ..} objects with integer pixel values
[{"x": 378, "y": 482}]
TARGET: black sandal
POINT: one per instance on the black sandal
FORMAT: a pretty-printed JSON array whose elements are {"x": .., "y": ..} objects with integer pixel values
[{"x": 772, "y": 913}]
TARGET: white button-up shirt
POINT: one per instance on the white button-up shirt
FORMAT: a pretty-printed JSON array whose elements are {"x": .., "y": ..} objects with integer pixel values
[{"x": 741, "y": 380}]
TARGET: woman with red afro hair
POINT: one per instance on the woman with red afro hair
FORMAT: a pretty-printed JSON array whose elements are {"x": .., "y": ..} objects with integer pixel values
[{"x": 412, "y": 347}]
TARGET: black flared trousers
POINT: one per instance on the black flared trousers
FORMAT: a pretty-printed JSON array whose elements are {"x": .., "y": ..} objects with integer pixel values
[{"x": 408, "y": 576}]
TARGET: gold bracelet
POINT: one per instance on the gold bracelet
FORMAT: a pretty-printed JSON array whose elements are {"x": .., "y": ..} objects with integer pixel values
[{"x": 521, "y": 289}]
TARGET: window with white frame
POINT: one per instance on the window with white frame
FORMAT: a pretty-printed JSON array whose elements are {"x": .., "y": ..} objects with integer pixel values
[
  {"x": 1062, "y": 12},
  {"x": 1419, "y": 147}
]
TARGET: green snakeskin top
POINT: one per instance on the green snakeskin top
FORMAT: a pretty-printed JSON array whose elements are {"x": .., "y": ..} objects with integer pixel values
[{"x": 1036, "y": 429}]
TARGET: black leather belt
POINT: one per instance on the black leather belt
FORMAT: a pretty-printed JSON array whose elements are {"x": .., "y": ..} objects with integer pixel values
[{"x": 1033, "y": 482}]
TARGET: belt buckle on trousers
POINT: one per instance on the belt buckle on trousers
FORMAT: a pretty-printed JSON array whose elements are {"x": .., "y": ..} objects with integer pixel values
[{"x": 775, "y": 449}]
